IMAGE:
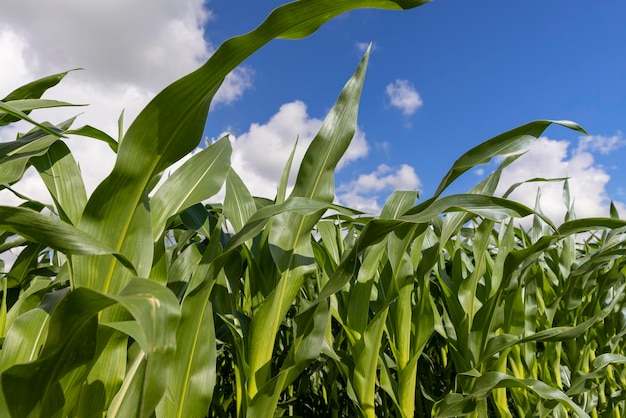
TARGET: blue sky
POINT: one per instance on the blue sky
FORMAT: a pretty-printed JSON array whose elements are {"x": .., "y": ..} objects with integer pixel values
[
  {"x": 480, "y": 68},
  {"x": 462, "y": 71}
]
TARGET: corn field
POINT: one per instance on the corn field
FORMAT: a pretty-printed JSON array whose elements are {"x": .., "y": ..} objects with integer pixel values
[{"x": 143, "y": 300}]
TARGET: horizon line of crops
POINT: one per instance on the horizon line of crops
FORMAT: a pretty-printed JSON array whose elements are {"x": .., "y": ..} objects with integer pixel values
[{"x": 145, "y": 301}]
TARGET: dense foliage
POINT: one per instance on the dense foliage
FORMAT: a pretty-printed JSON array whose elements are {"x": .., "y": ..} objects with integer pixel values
[{"x": 142, "y": 300}]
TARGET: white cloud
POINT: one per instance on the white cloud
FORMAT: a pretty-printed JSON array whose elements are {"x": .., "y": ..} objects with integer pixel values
[
  {"x": 599, "y": 143},
  {"x": 130, "y": 51},
  {"x": 145, "y": 43},
  {"x": 549, "y": 158},
  {"x": 260, "y": 154},
  {"x": 364, "y": 193},
  {"x": 402, "y": 95}
]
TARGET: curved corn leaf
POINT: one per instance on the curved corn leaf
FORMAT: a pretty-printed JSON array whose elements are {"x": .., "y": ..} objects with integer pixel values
[
  {"x": 289, "y": 234},
  {"x": 193, "y": 377},
  {"x": 17, "y": 114},
  {"x": 196, "y": 180},
  {"x": 513, "y": 141},
  {"x": 157, "y": 312},
  {"x": 281, "y": 192},
  {"x": 91, "y": 132},
  {"x": 239, "y": 205},
  {"x": 581, "y": 381},
  {"x": 33, "y": 388},
  {"x": 512, "y": 188},
  {"x": 171, "y": 125},
  {"x": 308, "y": 342},
  {"x": 33, "y": 90},
  {"x": 589, "y": 224},
  {"x": 22, "y": 344},
  {"x": 14, "y": 164},
  {"x": 457, "y": 405},
  {"x": 299, "y": 205},
  {"x": 28, "y": 105},
  {"x": 51, "y": 232},
  {"x": 489, "y": 207},
  {"x": 62, "y": 177},
  {"x": 554, "y": 334},
  {"x": 366, "y": 363}
]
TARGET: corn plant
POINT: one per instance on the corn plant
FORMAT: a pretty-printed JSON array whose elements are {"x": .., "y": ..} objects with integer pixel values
[{"x": 149, "y": 301}]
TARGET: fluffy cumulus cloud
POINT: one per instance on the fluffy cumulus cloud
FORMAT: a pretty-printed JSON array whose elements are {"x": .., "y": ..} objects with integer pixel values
[
  {"x": 129, "y": 51},
  {"x": 260, "y": 154},
  {"x": 549, "y": 158},
  {"x": 365, "y": 193},
  {"x": 403, "y": 96},
  {"x": 601, "y": 144}
]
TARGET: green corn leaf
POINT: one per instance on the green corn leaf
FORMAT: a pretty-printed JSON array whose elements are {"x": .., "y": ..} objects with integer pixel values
[
  {"x": 171, "y": 125},
  {"x": 374, "y": 231},
  {"x": 35, "y": 89},
  {"x": 193, "y": 376},
  {"x": 185, "y": 264},
  {"x": 456, "y": 405},
  {"x": 613, "y": 211},
  {"x": 17, "y": 114},
  {"x": 52, "y": 232},
  {"x": 71, "y": 342},
  {"x": 127, "y": 401},
  {"x": 515, "y": 140},
  {"x": 329, "y": 232},
  {"x": 453, "y": 222},
  {"x": 401, "y": 311},
  {"x": 32, "y": 90},
  {"x": 357, "y": 312},
  {"x": 300, "y": 205},
  {"x": 22, "y": 344},
  {"x": 310, "y": 335},
  {"x": 366, "y": 363},
  {"x": 398, "y": 203},
  {"x": 28, "y": 105},
  {"x": 105, "y": 374},
  {"x": 24, "y": 338},
  {"x": 62, "y": 177},
  {"x": 554, "y": 334},
  {"x": 197, "y": 218},
  {"x": 34, "y": 387},
  {"x": 157, "y": 312},
  {"x": 196, "y": 180},
  {"x": 289, "y": 236},
  {"x": 91, "y": 132},
  {"x": 3, "y": 304},
  {"x": 138, "y": 247},
  {"x": 14, "y": 163},
  {"x": 590, "y": 224},
  {"x": 284, "y": 178},
  {"x": 467, "y": 288},
  {"x": 489, "y": 207},
  {"x": 239, "y": 205},
  {"x": 315, "y": 178},
  {"x": 316, "y": 175},
  {"x": 24, "y": 264},
  {"x": 582, "y": 380},
  {"x": 512, "y": 188}
]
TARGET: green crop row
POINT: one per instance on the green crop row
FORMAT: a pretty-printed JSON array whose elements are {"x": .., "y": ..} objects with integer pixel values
[{"x": 146, "y": 301}]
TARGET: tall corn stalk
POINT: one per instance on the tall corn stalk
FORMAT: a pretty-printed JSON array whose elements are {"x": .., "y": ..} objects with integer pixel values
[{"x": 145, "y": 301}]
